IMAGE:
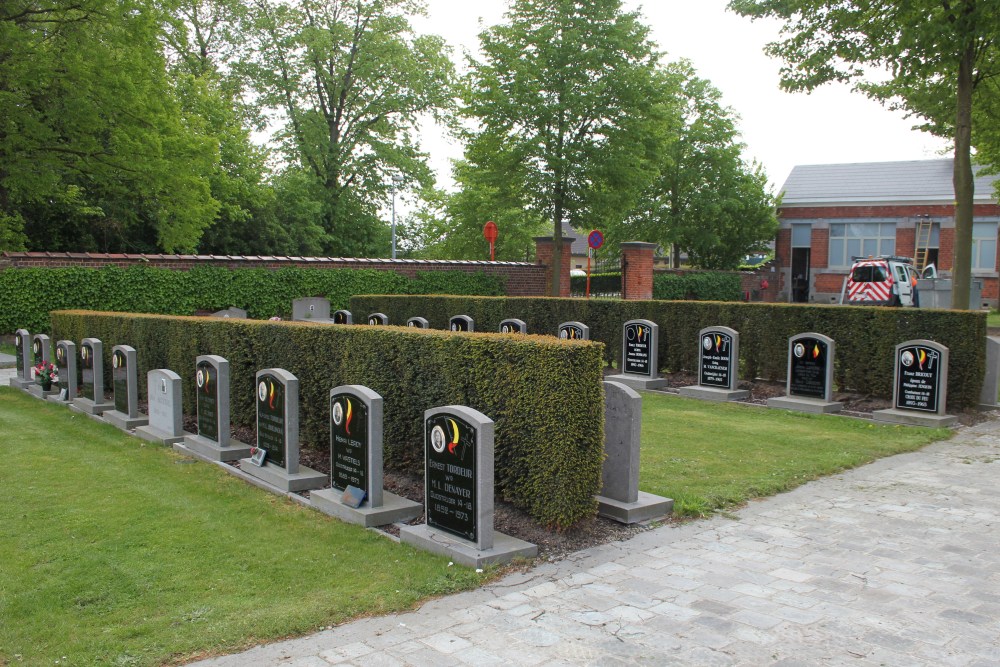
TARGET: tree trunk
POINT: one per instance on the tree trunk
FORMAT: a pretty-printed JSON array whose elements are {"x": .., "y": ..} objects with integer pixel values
[{"x": 964, "y": 188}]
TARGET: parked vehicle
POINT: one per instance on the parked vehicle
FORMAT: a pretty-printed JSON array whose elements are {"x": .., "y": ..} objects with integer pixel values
[{"x": 883, "y": 281}]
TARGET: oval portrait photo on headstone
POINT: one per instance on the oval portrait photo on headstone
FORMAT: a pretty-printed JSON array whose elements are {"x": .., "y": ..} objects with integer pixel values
[
  {"x": 707, "y": 343},
  {"x": 338, "y": 413},
  {"x": 906, "y": 358},
  {"x": 262, "y": 391},
  {"x": 800, "y": 350},
  {"x": 115, "y": 360},
  {"x": 438, "y": 439}
]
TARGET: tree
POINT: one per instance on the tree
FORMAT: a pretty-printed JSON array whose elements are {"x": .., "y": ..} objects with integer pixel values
[
  {"x": 706, "y": 200},
  {"x": 930, "y": 58},
  {"x": 568, "y": 127},
  {"x": 94, "y": 151},
  {"x": 351, "y": 79}
]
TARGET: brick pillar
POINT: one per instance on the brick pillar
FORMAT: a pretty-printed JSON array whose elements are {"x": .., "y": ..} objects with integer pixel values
[
  {"x": 544, "y": 246},
  {"x": 637, "y": 270}
]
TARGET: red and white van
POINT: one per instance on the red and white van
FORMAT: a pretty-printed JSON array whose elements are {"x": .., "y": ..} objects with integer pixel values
[{"x": 883, "y": 281}]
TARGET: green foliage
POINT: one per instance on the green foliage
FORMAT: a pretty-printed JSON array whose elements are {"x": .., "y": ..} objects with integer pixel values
[
  {"x": 569, "y": 128},
  {"x": 697, "y": 286},
  {"x": 600, "y": 283},
  {"x": 545, "y": 395},
  {"x": 31, "y": 293},
  {"x": 148, "y": 562},
  {"x": 866, "y": 337}
]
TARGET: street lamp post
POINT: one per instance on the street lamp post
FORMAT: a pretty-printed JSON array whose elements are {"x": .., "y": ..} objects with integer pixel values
[{"x": 397, "y": 180}]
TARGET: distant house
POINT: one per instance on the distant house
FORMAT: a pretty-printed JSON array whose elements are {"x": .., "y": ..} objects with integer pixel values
[{"x": 831, "y": 213}]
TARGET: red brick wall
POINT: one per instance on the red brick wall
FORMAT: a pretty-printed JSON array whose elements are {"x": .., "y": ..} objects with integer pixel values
[
  {"x": 544, "y": 247},
  {"x": 637, "y": 270},
  {"x": 905, "y": 242},
  {"x": 783, "y": 247},
  {"x": 946, "y": 249},
  {"x": 819, "y": 255},
  {"x": 522, "y": 279}
]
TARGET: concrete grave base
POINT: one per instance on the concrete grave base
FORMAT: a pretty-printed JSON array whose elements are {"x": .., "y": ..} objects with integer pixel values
[
  {"x": 123, "y": 421},
  {"x": 87, "y": 406},
  {"x": 799, "y": 404},
  {"x": 638, "y": 381},
  {"x": 210, "y": 450},
  {"x": 305, "y": 479},
  {"x": 912, "y": 418},
  {"x": 151, "y": 434},
  {"x": 19, "y": 383},
  {"x": 505, "y": 548},
  {"x": 36, "y": 390},
  {"x": 394, "y": 508},
  {"x": 54, "y": 396},
  {"x": 645, "y": 508},
  {"x": 713, "y": 394}
]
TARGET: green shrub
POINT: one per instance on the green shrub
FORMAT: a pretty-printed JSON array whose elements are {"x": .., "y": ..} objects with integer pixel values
[
  {"x": 29, "y": 294},
  {"x": 600, "y": 283},
  {"x": 545, "y": 395},
  {"x": 865, "y": 336},
  {"x": 697, "y": 286}
]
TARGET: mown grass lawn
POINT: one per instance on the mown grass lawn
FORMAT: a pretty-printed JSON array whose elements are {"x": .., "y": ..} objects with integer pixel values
[
  {"x": 118, "y": 552},
  {"x": 710, "y": 456}
]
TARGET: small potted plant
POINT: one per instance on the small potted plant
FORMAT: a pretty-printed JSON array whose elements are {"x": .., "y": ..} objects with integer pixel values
[{"x": 45, "y": 374}]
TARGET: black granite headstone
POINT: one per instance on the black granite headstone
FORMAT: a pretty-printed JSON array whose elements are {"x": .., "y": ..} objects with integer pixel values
[
  {"x": 207, "y": 400},
  {"x": 639, "y": 348},
  {"x": 461, "y": 323},
  {"x": 451, "y": 475},
  {"x": 716, "y": 359},
  {"x": 808, "y": 368},
  {"x": 87, "y": 372},
  {"x": 348, "y": 442},
  {"x": 271, "y": 426},
  {"x": 918, "y": 378},
  {"x": 574, "y": 330},
  {"x": 119, "y": 373},
  {"x": 343, "y": 317}
]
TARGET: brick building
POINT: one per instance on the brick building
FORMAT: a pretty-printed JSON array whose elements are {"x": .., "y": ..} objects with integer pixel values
[{"x": 832, "y": 212}]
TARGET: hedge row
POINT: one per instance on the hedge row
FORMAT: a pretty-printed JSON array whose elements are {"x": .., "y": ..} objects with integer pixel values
[
  {"x": 29, "y": 294},
  {"x": 545, "y": 395},
  {"x": 865, "y": 336},
  {"x": 697, "y": 286}
]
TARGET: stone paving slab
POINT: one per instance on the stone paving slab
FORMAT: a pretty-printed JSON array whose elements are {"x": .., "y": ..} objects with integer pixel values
[{"x": 894, "y": 563}]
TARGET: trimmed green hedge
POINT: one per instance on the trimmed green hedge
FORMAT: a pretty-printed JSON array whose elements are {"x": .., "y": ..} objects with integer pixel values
[
  {"x": 545, "y": 395},
  {"x": 865, "y": 336},
  {"x": 697, "y": 286},
  {"x": 29, "y": 294}
]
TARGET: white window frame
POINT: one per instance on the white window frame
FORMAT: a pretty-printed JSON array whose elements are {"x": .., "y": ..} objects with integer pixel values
[
  {"x": 884, "y": 241},
  {"x": 987, "y": 234}
]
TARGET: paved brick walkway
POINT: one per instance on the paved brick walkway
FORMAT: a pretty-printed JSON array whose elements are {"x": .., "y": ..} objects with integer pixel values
[{"x": 895, "y": 563}]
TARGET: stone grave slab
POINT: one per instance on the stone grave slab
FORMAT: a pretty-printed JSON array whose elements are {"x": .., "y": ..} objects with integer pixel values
[
  {"x": 213, "y": 441},
  {"x": 68, "y": 369},
  {"x": 418, "y": 323},
  {"x": 278, "y": 435},
  {"x": 125, "y": 374},
  {"x": 920, "y": 386},
  {"x": 620, "y": 498},
  {"x": 22, "y": 353},
  {"x": 458, "y": 491},
  {"x": 356, "y": 461},
  {"x": 91, "y": 399},
  {"x": 461, "y": 323},
  {"x": 41, "y": 353},
  {"x": 231, "y": 313},
  {"x": 166, "y": 420},
  {"x": 809, "y": 387},
  {"x": 343, "y": 317},
  {"x": 574, "y": 330},
  {"x": 640, "y": 356},
  {"x": 513, "y": 326},
  {"x": 311, "y": 309},
  {"x": 718, "y": 366},
  {"x": 378, "y": 320}
]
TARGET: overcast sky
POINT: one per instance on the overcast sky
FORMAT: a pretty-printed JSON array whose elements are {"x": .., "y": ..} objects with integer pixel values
[{"x": 781, "y": 130}]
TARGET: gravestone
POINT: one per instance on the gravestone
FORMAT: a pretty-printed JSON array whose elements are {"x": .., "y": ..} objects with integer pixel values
[
  {"x": 991, "y": 380},
  {"x": 378, "y": 320},
  {"x": 40, "y": 354},
  {"x": 620, "y": 498},
  {"x": 91, "y": 399},
  {"x": 231, "y": 313},
  {"x": 213, "y": 441},
  {"x": 809, "y": 387},
  {"x": 343, "y": 317},
  {"x": 356, "y": 462},
  {"x": 718, "y": 366},
  {"x": 513, "y": 325},
  {"x": 640, "y": 356},
  {"x": 166, "y": 422},
  {"x": 22, "y": 361},
  {"x": 311, "y": 309},
  {"x": 574, "y": 330},
  {"x": 278, "y": 435},
  {"x": 461, "y": 323},
  {"x": 920, "y": 386},
  {"x": 125, "y": 374},
  {"x": 69, "y": 375},
  {"x": 458, "y": 491},
  {"x": 418, "y": 323}
]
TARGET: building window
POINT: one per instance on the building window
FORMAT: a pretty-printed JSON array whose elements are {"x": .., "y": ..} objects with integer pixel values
[
  {"x": 860, "y": 239},
  {"x": 984, "y": 246}
]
